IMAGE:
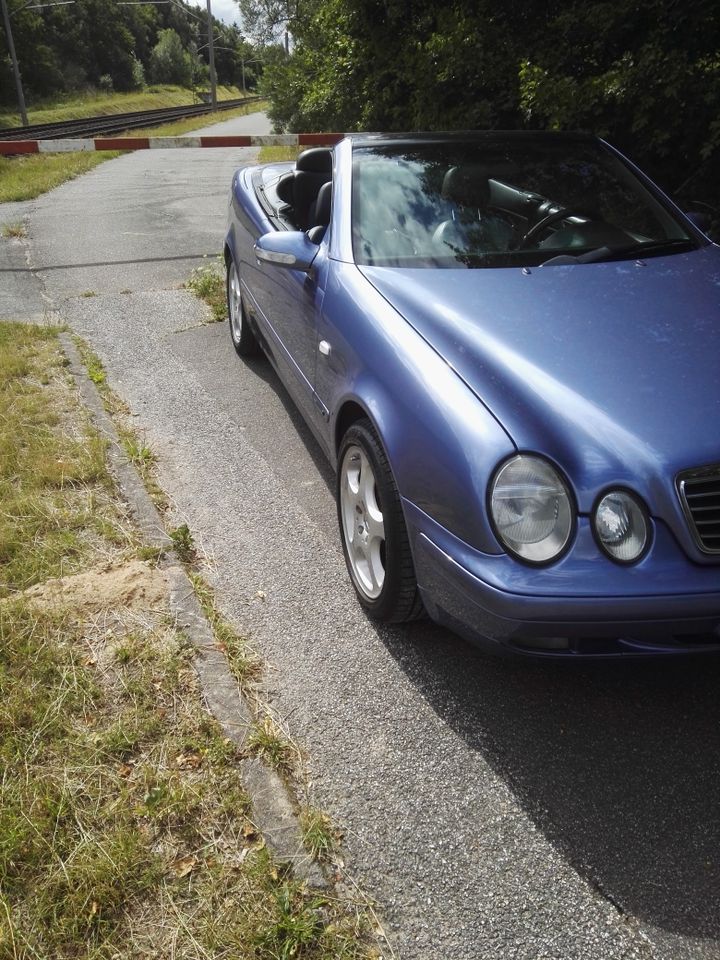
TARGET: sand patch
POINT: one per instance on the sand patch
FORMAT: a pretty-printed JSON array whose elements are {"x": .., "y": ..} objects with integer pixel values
[{"x": 134, "y": 585}]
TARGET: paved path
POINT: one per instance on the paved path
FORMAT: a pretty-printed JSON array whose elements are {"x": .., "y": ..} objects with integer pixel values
[{"x": 493, "y": 809}]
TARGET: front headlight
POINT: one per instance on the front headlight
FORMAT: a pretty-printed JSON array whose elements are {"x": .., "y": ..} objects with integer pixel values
[
  {"x": 621, "y": 526},
  {"x": 531, "y": 509}
]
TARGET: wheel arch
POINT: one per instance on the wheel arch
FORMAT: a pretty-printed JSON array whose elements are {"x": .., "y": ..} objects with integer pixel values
[{"x": 349, "y": 413}]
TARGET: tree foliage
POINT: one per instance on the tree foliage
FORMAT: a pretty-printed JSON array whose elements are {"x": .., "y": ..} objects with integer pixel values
[
  {"x": 70, "y": 47},
  {"x": 644, "y": 75},
  {"x": 169, "y": 61}
]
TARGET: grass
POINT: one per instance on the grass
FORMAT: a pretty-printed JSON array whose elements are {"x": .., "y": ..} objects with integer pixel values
[
  {"x": 242, "y": 659},
  {"x": 134, "y": 446},
  {"x": 279, "y": 154},
  {"x": 272, "y": 744},
  {"x": 208, "y": 283},
  {"x": 125, "y": 829},
  {"x": 27, "y": 177},
  {"x": 15, "y": 230},
  {"x": 96, "y": 104},
  {"x": 56, "y": 494},
  {"x": 320, "y": 836}
]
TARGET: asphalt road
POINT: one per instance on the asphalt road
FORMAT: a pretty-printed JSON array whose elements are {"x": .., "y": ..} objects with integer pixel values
[{"x": 493, "y": 809}]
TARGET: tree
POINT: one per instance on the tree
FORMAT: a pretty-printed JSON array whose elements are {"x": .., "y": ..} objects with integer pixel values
[
  {"x": 169, "y": 62},
  {"x": 267, "y": 21}
]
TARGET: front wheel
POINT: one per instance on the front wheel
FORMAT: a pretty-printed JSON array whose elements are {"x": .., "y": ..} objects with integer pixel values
[
  {"x": 242, "y": 337},
  {"x": 372, "y": 527}
]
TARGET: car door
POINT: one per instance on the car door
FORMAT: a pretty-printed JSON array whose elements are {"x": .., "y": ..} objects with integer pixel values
[{"x": 290, "y": 303}]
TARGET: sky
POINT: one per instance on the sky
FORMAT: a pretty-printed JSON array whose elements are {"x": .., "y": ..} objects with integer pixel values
[{"x": 225, "y": 10}]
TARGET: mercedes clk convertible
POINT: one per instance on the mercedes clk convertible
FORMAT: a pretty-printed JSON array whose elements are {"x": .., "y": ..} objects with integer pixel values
[{"x": 508, "y": 346}]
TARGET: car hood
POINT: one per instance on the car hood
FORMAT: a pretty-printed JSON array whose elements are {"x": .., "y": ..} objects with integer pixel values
[{"x": 612, "y": 369}]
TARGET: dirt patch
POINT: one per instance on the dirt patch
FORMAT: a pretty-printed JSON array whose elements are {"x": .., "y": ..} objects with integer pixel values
[{"x": 134, "y": 584}]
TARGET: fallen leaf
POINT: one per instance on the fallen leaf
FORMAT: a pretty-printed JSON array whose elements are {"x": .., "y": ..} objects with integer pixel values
[
  {"x": 189, "y": 761},
  {"x": 182, "y": 867}
]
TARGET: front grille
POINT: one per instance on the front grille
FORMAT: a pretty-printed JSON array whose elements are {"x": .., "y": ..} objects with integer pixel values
[{"x": 700, "y": 495}]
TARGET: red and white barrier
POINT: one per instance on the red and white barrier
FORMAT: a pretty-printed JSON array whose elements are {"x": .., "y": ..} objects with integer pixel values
[{"x": 11, "y": 147}]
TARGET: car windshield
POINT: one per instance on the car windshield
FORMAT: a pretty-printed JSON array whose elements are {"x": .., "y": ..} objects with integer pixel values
[{"x": 504, "y": 202}]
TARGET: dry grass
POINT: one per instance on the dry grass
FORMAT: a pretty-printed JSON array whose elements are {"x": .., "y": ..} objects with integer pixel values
[
  {"x": 15, "y": 230},
  {"x": 125, "y": 830},
  {"x": 58, "y": 504}
]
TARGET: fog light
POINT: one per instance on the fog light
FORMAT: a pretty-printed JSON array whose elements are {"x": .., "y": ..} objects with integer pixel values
[{"x": 621, "y": 526}]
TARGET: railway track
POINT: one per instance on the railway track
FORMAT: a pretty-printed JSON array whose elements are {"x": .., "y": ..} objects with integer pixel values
[{"x": 115, "y": 123}]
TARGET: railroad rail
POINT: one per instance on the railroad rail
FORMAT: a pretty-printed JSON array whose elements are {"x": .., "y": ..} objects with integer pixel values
[{"x": 116, "y": 122}]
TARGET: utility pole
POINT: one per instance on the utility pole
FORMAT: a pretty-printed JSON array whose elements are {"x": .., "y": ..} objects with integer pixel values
[
  {"x": 211, "y": 57},
  {"x": 16, "y": 68}
]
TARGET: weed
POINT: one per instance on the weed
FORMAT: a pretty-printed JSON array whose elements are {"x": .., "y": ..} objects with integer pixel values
[
  {"x": 95, "y": 369},
  {"x": 269, "y": 742},
  {"x": 183, "y": 543},
  {"x": 153, "y": 554},
  {"x": 208, "y": 283},
  {"x": 296, "y": 925},
  {"x": 139, "y": 454},
  {"x": 320, "y": 836},
  {"x": 88, "y": 293},
  {"x": 16, "y": 230}
]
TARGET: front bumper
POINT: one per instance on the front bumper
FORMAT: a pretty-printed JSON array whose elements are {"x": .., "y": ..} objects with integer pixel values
[{"x": 576, "y": 608}]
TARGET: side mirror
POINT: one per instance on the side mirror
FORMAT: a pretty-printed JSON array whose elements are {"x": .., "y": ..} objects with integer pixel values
[{"x": 289, "y": 249}]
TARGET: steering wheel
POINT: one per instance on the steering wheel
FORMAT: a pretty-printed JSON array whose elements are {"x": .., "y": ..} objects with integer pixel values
[{"x": 541, "y": 226}]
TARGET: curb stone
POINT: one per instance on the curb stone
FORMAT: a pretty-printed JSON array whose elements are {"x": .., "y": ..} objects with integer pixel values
[{"x": 273, "y": 810}]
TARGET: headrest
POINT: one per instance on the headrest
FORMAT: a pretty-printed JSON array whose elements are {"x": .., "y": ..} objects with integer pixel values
[
  {"x": 322, "y": 205},
  {"x": 467, "y": 186},
  {"x": 284, "y": 187},
  {"x": 315, "y": 160}
]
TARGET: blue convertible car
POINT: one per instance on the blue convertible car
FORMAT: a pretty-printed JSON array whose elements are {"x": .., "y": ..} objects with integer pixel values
[{"x": 508, "y": 345}]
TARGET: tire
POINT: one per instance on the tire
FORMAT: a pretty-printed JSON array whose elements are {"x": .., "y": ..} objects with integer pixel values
[
  {"x": 373, "y": 531},
  {"x": 243, "y": 339}
]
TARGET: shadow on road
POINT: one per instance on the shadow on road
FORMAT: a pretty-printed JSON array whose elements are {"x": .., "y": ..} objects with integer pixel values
[
  {"x": 618, "y": 764},
  {"x": 107, "y": 263}
]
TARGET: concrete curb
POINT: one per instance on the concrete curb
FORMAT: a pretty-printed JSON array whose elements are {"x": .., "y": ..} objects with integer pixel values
[{"x": 273, "y": 808}]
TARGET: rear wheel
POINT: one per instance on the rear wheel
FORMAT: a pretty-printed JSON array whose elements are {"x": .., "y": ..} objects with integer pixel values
[
  {"x": 242, "y": 336},
  {"x": 372, "y": 527}
]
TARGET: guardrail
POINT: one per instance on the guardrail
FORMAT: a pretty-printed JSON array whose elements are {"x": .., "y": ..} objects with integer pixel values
[
  {"x": 117, "y": 122},
  {"x": 14, "y": 147}
]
